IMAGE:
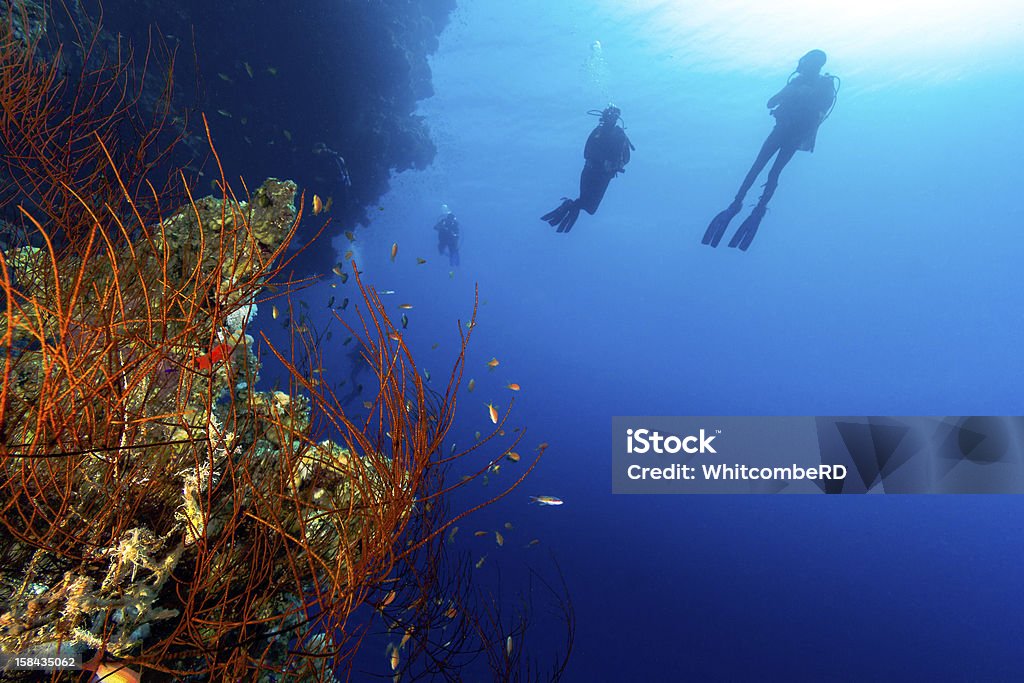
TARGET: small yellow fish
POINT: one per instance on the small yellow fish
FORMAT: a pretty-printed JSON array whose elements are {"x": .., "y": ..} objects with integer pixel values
[
  {"x": 348, "y": 255},
  {"x": 113, "y": 672},
  {"x": 451, "y": 534},
  {"x": 405, "y": 307},
  {"x": 508, "y": 526},
  {"x": 480, "y": 562},
  {"x": 248, "y": 69},
  {"x": 543, "y": 447},
  {"x": 405, "y": 321},
  {"x": 224, "y": 112},
  {"x": 338, "y": 270},
  {"x": 329, "y": 204},
  {"x": 368, "y": 405},
  {"x": 493, "y": 412},
  {"x": 394, "y": 251},
  {"x": 274, "y": 312},
  {"x": 244, "y": 121},
  {"x": 406, "y": 637},
  {"x": 546, "y": 501},
  {"x": 387, "y": 599},
  {"x": 498, "y": 538},
  {"x": 493, "y": 363},
  {"x": 272, "y": 70},
  {"x": 512, "y": 386},
  {"x": 472, "y": 385},
  {"x": 420, "y": 261},
  {"x": 225, "y": 77},
  {"x": 476, "y": 435},
  {"x": 508, "y": 646},
  {"x": 350, "y": 236},
  {"x": 318, "y": 205},
  {"x": 452, "y": 612},
  {"x": 480, "y": 533},
  {"x": 533, "y": 543},
  {"x": 287, "y": 135},
  {"x": 396, "y": 659},
  {"x": 513, "y": 456}
]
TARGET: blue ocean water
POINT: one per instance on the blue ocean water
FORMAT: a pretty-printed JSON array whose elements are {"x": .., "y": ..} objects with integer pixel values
[{"x": 884, "y": 280}]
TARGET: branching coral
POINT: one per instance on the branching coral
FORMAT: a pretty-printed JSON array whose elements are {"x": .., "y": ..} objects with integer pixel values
[{"x": 153, "y": 503}]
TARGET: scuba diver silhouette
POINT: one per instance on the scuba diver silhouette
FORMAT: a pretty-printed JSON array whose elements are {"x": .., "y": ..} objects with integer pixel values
[
  {"x": 606, "y": 154},
  {"x": 448, "y": 235},
  {"x": 799, "y": 108},
  {"x": 357, "y": 364}
]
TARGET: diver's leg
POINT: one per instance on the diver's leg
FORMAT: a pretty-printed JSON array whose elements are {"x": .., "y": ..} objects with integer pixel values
[
  {"x": 720, "y": 223},
  {"x": 771, "y": 146},
  {"x": 745, "y": 235},
  {"x": 593, "y": 184},
  {"x": 785, "y": 154}
]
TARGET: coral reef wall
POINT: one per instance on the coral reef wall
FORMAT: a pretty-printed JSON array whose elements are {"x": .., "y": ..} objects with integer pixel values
[{"x": 292, "y": 87}]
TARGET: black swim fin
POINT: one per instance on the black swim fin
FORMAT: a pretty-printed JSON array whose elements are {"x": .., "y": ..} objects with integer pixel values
[
  {"x": 570, "y": 217},
  {"x": 555, "y": 217},
  {"x": 748, "y": 228},
  {"x": 713, "y": 235},
  {"x": 564, "y": 217}
]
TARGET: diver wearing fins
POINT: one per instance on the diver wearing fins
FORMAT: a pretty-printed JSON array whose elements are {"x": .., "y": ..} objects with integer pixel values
[
  {"x": 799, "y": 108},
  {"x": 606, "y": 154}
]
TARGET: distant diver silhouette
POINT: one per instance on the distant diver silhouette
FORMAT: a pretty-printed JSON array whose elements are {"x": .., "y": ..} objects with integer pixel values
[
  {"x": 333, "y": 170},
  {"x": 448, "y": 235},
  {"x": 606, "y": 154},
  {"x": 799, "y": 108}
]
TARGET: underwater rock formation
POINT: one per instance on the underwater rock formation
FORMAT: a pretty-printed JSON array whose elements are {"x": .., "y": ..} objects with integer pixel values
[{"x": 276, "y": 83}]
